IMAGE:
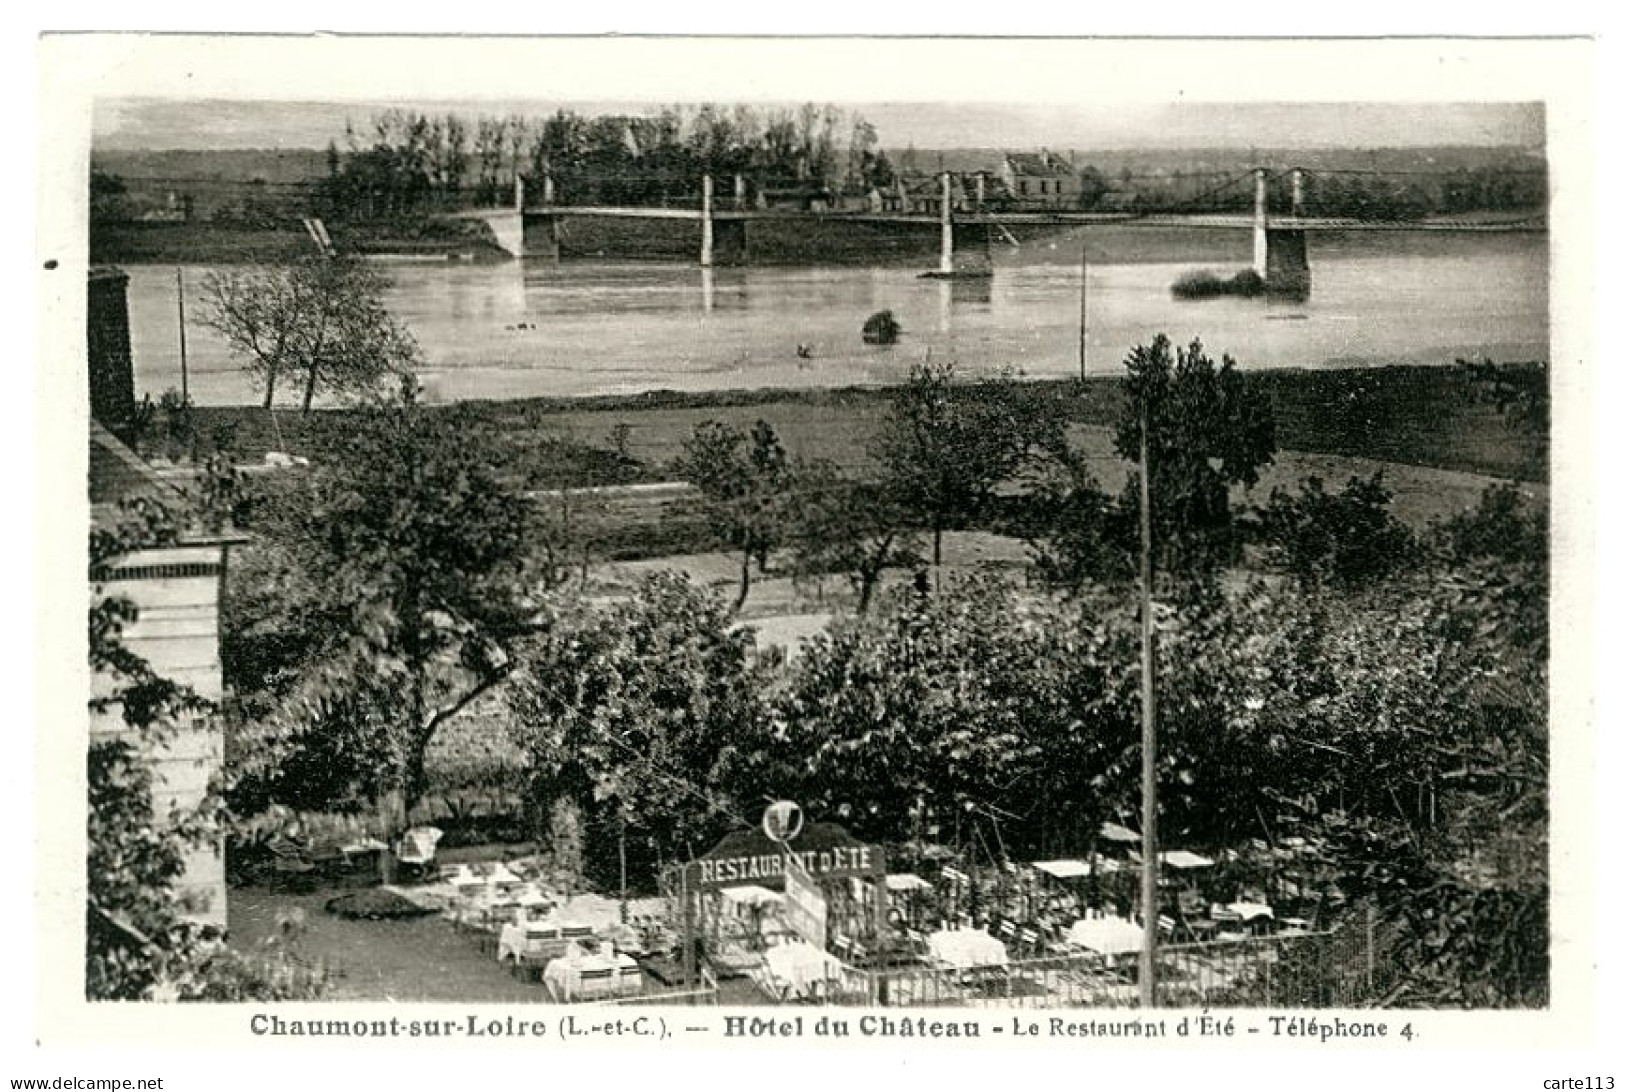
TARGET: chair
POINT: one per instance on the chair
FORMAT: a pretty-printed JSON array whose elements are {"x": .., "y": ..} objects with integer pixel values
[{"x": 416, "y": 849}]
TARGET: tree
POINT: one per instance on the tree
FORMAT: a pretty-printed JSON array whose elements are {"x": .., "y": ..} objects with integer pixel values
[
  {"x": 945, "y": 448},
  {"x": 322, "y": 319},
  {"x": 138, "y": 944},
  {"x": 849, "y": 527},
  {"x": 405, "y": 546},
  {"x": 1074, "y": 532},
  {"x": 939, "y": 715},
  {"x": 1350, "y": 539},
  {"x": 746, "y": 489},
  {"x": 1210, "y": 429},
  {"x": 634, "y": 711}
]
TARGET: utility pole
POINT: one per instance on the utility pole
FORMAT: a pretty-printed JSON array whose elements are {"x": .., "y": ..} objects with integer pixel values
[
  {"x": 1148, "y": 725},
  {"x": 186, "y": 394},
  {"x": 1083, "y": 314},
  {"x": 180, "y": 306}
]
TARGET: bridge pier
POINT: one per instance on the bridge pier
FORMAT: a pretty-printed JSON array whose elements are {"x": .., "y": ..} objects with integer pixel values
[
  {"x": 1287, "y": 271},
  {"x": 542, "y": 236},
  {"x": 730, "y": 242},
  {"x": 945, "y": 263},
  {"x": 1280, "y": 255}
]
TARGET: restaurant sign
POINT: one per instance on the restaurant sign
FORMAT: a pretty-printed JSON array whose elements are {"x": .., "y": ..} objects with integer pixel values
[{"x": 824, "y": 850}]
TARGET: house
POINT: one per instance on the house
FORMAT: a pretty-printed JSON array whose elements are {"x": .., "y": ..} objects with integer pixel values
[
  {"x": 175, "y": 589},
  {"x": 1040, "y": 180},
  {"x": 921, "y": 195}
]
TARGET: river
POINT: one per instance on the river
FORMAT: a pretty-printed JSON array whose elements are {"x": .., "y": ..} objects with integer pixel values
[{"x": 521, "y": 329}]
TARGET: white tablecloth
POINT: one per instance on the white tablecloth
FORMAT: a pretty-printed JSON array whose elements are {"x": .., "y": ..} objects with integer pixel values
[
  {"x": 1251, "y": 910},
  {"x": 515, "y": 940},
  {"x": 564, "y": 976},
  {"x": 800, "y": 965},
  {"x": 963, "y": 948},
  {"x": 1108, "y": 936}
]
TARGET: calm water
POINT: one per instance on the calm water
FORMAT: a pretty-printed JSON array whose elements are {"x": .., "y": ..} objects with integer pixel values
[{"x": 523, "y": 329}]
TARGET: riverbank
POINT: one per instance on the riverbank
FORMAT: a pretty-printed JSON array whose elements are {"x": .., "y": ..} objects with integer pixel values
[{"x": 1434, "y": 417}]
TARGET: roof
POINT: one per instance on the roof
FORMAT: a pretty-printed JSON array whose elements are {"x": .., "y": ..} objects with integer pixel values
[
  {"x": 119, "y": 474},
  {"x": 1071, "y": 869},
  {"x": 1039, "y": 165}
]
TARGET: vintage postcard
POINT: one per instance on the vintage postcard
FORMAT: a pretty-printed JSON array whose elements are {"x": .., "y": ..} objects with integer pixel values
[{"x": 714, "y": 542}]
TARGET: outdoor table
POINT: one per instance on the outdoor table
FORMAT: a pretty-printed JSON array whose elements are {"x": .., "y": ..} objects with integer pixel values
[
  {"x": 965, "y": 948},
  {"x": 516, "y": 940},
  {"x": 593, "y": 976},
  {"x": 801, "y": 967},
  {"x": 1108, "y": 936}
]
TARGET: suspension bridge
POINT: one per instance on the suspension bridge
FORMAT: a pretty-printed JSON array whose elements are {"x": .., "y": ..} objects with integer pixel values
[{"x": 1280, "y": 251}]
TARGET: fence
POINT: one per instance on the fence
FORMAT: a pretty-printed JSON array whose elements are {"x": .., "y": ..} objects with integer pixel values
[{"x": 1339, "y": 969}]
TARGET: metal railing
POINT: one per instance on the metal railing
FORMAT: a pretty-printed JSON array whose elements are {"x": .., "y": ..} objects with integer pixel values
[{"x": 1309, "y": 970}]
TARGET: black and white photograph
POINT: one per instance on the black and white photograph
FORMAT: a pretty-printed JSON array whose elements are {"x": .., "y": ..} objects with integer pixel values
[{"x": 958, "y": 555}]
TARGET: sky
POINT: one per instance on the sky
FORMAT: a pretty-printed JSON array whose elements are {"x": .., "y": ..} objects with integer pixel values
[{"x": 154, "y": 123}]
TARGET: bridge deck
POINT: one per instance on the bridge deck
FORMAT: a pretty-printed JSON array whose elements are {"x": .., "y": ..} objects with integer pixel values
[{"x": 1217, "y": 221}]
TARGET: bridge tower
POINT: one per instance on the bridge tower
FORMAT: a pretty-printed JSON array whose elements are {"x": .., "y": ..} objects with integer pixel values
[
  {"x": 707, "y": 228},
  {"x": 945, "y": 263},
  {"x": 1261, "y": 221}
]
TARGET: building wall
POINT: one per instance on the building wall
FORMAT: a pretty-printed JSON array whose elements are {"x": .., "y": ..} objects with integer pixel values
[
  {"x": 112, "y": 376},
  {"x": 176, "y": 592}
]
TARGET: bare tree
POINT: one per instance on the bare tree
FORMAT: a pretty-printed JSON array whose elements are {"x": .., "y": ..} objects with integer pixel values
[{"x": 320, "y": 320}]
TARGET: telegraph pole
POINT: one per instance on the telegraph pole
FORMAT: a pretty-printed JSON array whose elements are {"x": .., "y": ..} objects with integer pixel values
[
  {"x": 180, "y": 304},
  {"x": 1148, "y": 725},
  {"x": 1083, "y": 314}
]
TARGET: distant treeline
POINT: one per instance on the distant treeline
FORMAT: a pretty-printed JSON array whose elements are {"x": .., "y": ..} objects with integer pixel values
[{"x": 408, "y": 161}]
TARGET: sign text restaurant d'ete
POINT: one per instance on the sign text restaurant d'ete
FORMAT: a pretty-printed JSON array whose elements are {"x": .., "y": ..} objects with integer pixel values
[{"x": 748, "y": 856}]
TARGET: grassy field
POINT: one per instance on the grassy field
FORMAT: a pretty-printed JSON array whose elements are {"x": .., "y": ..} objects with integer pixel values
[{"x": 1413, "y": 416}]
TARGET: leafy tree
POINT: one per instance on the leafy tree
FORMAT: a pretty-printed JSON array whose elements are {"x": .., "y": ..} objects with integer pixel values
[
  {"x": 910, "y": 721},
  {"x": 635, "y": 711},
  {"x": 1210, "y": 429},
  {"x": 1074, "y": 531},
  {"x": 320, "y": 319},
  {"x": 849, "y": 527},
  {"x": 138, "y": 944},
  {"x": 1350, "y": 539},
  {"x": 1500, "y": 527},
  {"x": 403, "y": 554},
  {"x": 945, "y": 448},
  {"x": 746, "y": 488}
]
